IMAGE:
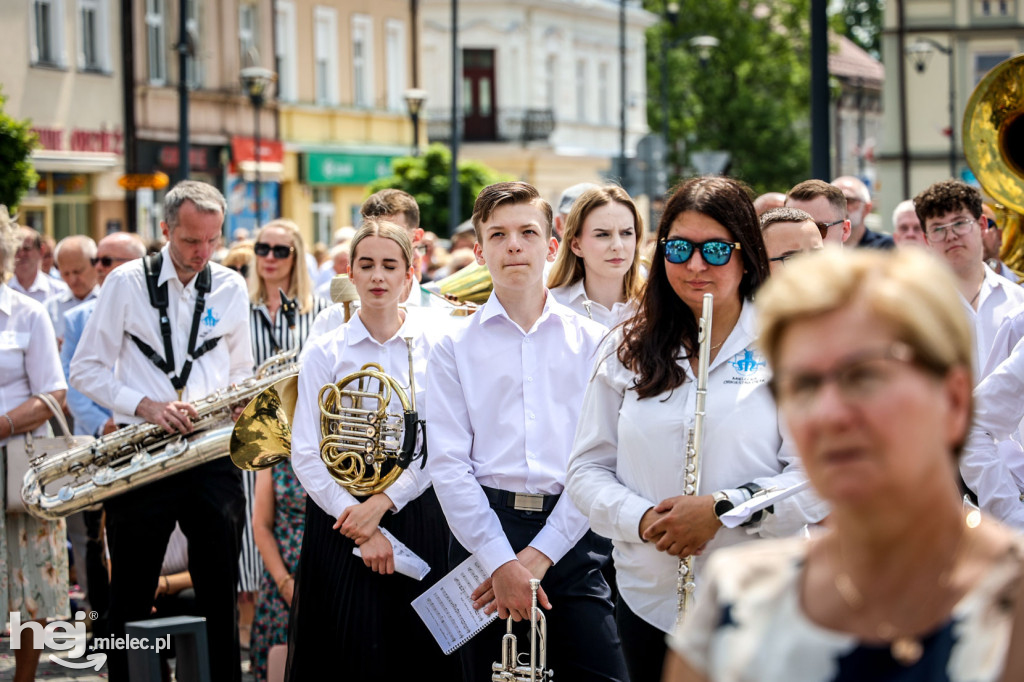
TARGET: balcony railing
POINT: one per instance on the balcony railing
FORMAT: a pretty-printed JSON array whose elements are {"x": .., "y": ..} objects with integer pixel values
[{"x": 513, "y": 125}]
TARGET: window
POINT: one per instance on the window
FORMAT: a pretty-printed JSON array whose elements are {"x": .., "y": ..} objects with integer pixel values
[
  {"x": 550, "y": 81},
  {"x": 193, "y": 66},
  {"x": 248, "y": 34},
  {"x": 92, "y": 41},
  {"x": 602, "y": 93},
  {"x": 581, "y": 90},
  {"x": 993, "y": 8},
  {"x": 326, "y": 66},
  {"x": 156, "y": 42},
  {"x": 395, "y": 65},
  {"x": 323, "y": 214},
  {"x": 362, "y": 60},
  {"x": 47, "y": 33},
  {"x": 287, "y": 75},
  {"x": 983, "y": 63}
]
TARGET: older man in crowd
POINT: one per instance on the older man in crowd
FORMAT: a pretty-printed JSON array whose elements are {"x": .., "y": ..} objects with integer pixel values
[
  {"x": 906, "y": 226},
  {"x": 858, "y": 206},
  {"x": 75, "y": 256},
  {"x": 28, "y": 278}
]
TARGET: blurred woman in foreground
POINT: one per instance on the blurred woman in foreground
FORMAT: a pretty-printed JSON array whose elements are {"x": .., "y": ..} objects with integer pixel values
[{"x": 871, "y": 355}]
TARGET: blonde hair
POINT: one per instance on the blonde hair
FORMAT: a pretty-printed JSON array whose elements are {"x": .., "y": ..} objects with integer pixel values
[
  {"x": 300, "y": 285},
  {"x": 375, "y": 227},
  {"x": 241, "y": 255},
  {"x": 570, "y": 268},
  {"x": 908, "y": 289}
]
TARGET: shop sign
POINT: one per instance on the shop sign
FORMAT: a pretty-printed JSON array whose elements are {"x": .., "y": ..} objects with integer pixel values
[
  {"x": 80, "y": 140},
  {"x": 136, "y": 181},
  {"x": 345, "y": 169},
  {"x": 244, "y": 149}
]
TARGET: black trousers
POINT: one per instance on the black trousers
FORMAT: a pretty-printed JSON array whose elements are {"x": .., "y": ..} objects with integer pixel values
[
  {"x": 208, "y": 503},
  {"x": 643, "y": 645},
  {"x": 583, "y": 642}
]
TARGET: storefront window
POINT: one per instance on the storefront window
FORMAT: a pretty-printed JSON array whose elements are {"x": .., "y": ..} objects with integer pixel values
[
  {"x": 323, "y": 214},
  {"x": 68, "y": 196}
]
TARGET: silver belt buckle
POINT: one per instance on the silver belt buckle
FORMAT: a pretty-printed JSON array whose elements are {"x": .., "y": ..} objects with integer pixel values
[{"x": 528, "y": 502}]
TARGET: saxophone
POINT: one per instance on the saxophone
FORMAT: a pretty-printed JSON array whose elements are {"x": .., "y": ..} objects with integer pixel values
[
  {"x": 685, "y": 584},
  {"x": 63, "y": 483}
]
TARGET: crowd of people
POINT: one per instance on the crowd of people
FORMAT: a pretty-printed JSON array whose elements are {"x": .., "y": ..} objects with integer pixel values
[{"x": 886, "y": 371}]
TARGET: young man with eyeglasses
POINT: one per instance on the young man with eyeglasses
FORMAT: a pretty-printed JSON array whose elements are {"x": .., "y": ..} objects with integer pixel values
[
  {"x": 826, "y": 205},
  {"x": 788, "y": 232},
  {"x": 950, "y": 213}
]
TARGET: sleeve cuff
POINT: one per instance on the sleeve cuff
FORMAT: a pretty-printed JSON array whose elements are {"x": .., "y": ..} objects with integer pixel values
[
  {"x": 402, "y": 491},
  {"x": 127, "y": 400},
  {"x": 551, "y": 543},
  {"x": 495, "y": 554},
  {"x": 633, "y": 511}
]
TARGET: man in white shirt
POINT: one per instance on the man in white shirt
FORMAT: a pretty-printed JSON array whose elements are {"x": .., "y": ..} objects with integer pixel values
[
  {"x": 74, "y": 256},
  {"x": 504, "y": 393},
  {"x": 28, "y": 278},
  {"x": 950, "y": 214},
  {"x": 176, "y": 331}
]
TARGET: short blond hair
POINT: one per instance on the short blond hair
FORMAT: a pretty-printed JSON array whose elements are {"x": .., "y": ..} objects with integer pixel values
[{"x": 908, "y": 289}]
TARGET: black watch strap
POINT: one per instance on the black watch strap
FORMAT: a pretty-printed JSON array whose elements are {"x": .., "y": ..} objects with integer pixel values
[{"x": 753, "y": 489}]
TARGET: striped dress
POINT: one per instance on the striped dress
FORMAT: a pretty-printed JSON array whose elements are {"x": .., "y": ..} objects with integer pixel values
[{"x": 268, "y": 339}]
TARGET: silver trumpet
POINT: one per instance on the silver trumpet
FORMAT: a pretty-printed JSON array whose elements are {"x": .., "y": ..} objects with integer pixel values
[
  {"x": 685, "y": 584},
  {"x": 511, "y": 668}
]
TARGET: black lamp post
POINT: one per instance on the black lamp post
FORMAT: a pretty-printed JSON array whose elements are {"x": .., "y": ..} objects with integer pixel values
[
  {"x": 256, "y": 82},
  {"x": 414, "y": 99},
  {"x": 920, "y": 52},
  {"x": 703, "y": 44}
]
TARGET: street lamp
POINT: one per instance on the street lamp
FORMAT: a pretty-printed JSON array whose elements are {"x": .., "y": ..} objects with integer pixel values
[
  {"x": 256, "y": 82},
  {"x": 703, "y": 44},
  {"x": 920, "y": 52},
  {"x": 414, "y": 99}
]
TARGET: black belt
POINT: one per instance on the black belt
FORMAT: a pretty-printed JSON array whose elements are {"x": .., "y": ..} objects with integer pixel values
[{"x": 520, "y": 501}]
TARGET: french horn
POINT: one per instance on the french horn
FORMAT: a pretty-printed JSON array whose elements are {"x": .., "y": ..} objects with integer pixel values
[{"x": 994, "y": 148}]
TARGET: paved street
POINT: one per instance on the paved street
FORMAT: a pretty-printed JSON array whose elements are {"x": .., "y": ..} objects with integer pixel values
[{"x": 53, "y": 672}]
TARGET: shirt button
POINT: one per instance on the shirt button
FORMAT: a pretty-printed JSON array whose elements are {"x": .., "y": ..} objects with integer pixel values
[
  {"x": 533, "y": 416},
  {"x": 526, "y": 339},
  {"x": 529, "y": 378}
]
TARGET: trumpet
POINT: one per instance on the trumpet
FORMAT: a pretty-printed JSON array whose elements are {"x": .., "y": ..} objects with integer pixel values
[
  {"x": 685, "y": 584},
  {"x": 511, "y": 668}
]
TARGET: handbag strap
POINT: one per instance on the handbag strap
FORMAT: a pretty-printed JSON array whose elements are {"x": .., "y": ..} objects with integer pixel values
[{"x": 58, "y": 413}]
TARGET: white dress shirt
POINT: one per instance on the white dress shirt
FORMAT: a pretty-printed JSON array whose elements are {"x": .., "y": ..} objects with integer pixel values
[
  {"x": 42, "y": 288},
  {"x": 629, "y": 455},
  {"x": 123, "y": 307},
  {"x": 29, "y": 361},
  {"x": 997, "y": 299},
  {"x": 574, "y": 296},
  {"x": 60, "y": 303},
  {"x": 329, "y": 358},
  {"x": 438, "y": 320},
  {"x": 503, "y": 405}
]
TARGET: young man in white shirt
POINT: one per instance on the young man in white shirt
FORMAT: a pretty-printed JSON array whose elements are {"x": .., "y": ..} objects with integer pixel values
[
  {"x": 28, "y": 278},
  {"x": 504, "y": 393},
  {"x": 148, "y": 370}
]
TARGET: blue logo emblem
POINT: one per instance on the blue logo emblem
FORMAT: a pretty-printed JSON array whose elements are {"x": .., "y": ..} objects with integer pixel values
[
  {"x": 209, "y": 319},
  {"x": 747, "y": 362}
]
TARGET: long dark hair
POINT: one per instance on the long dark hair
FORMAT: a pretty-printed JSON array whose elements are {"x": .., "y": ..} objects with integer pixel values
[{"x": 664, "y": 323}]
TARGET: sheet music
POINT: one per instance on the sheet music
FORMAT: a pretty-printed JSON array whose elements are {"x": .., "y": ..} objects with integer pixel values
[
  {"x": 407, "y": 562},
  {"x": 447, "y": 609},
  {"x": 739, "y": 515}
]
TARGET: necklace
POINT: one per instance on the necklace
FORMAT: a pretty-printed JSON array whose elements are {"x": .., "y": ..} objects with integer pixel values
[
  {"x": 906, "y": 649},
  {"x": 976, "y": 295}
]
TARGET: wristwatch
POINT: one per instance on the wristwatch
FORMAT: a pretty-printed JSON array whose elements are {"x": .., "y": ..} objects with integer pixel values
[
  {"x": 753, "y": 490},
  {"x": 722, "y": 503}
]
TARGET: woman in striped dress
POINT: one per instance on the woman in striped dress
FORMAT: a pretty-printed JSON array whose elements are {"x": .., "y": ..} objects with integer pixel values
[{"x": 280, "y": 266}]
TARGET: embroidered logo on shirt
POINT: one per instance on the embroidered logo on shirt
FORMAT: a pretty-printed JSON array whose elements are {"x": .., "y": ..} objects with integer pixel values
[
  {"x": 209, "y": 319},
  {"x": 748, "y": 365}
]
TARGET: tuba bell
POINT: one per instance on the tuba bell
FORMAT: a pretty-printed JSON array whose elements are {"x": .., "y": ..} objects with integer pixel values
[{"x": 994, "y": 148}]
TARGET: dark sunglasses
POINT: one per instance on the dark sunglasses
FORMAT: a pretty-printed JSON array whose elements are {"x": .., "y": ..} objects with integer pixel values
[
  {"x": 823, "y": 227},
  {"x": 713, "y": 252},
  {"x": 107, "y": 261},
  {"x": 243, "y": 269},
  {"x": 280, "y": 251}
]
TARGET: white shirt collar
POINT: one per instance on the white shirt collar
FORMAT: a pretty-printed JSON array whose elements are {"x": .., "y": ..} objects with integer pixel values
[
  {"x": 493, "y": 308},
  {"x": 5, "y": 299},
  {"x": 357, "y": 331},
  {"x": 167, "y": 271}
]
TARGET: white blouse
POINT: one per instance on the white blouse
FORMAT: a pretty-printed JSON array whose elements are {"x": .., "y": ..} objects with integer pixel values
[
  {"x": 574, "y": 296},
  {"x": 629, "y": 455},
  {"x": 29, "y": 360},
  {"x": 327, "y": 359}
]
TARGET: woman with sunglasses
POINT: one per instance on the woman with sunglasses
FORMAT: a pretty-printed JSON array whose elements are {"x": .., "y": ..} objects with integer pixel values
[
  {"x": 626, "y": 472},
  {"x": 597, "y": 271},
  {"x": 280, "y": 267}
]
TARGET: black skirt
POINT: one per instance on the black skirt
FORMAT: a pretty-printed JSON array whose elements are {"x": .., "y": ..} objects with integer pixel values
[{"x": 348, "y": 618}]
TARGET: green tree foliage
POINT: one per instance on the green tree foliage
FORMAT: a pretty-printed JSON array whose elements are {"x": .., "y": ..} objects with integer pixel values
[
  {"x": 750, "y": 97},
  {"x": 16, "y": 144},
  {"x": 428, "y": 178},
  {"x": 861, "y": 22}
]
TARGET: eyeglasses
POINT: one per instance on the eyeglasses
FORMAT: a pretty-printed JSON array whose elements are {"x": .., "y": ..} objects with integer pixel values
[
  {"x": 823, "y": 227},
  {"x": 858, "y": 379},
  {"x": 280, "y": 251},
  {"x": 107, "y": 261},
  {"x": 713, "y": 252},
  {"x": 938, "y": 233},
  {"x": 991, "y": 223},
  {"x": 243, "y": 269}
]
